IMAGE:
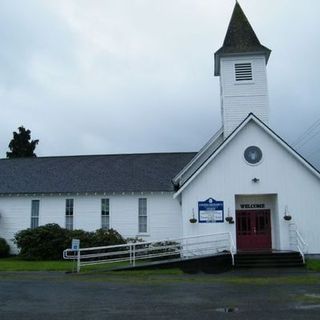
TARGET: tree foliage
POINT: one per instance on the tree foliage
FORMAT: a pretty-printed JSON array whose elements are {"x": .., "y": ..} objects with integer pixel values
[
  {"x": 21, "y": 145},
  {"x": 4, "y": 248}
]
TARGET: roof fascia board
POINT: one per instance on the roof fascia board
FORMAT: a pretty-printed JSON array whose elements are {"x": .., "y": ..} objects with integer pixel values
[
  {"x": 296, "y": 154},
  {"x": 215, "y": 153},
  {"x": 199, "y": 154},
  {"x": 83, "y": 194}
]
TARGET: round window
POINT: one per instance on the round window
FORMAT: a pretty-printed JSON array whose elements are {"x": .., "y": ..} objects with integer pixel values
[{"x": 253, "y": 155}]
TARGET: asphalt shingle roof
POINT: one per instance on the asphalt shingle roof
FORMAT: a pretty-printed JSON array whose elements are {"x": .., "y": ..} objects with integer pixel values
[{"x": 98, "y": 173}]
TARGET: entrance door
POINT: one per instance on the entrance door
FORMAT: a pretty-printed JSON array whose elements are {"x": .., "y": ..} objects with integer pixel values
[{"x": 253, "y": 230}]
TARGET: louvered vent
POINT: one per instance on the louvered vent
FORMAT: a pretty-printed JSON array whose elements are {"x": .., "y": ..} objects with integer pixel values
[{"x": 243, "y": 71}]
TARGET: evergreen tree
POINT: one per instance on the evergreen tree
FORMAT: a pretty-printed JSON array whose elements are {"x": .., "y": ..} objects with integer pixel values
[{"x": 21, "y": 145}]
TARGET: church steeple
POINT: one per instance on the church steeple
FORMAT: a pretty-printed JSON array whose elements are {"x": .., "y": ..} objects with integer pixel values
[
  {"x": 241, "y": 64},
  {"x": 240, "y": 39}
]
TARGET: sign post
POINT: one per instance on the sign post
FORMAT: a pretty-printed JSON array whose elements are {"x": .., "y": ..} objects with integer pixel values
[{"x": 75, "y": 246}]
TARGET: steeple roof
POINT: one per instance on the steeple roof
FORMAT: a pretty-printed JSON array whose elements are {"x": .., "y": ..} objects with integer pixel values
[{"x": 240, "y": 39}]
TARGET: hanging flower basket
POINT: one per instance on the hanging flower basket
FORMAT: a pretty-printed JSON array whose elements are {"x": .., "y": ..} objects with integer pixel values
[
  {"x": 287, "y": 217},
  {"x": 193, "y": 220},
  {"x": 229, "y": 219}
]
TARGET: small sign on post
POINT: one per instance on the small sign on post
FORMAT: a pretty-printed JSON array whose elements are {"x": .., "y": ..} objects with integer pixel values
[{"x": 75, "y": 245}]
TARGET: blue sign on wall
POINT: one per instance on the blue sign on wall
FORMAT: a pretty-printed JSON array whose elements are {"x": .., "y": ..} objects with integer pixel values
[{"x": 210, "y": 211}]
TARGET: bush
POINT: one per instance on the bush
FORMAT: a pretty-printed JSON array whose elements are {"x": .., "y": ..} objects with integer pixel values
[
  {"x": 168, "y": 253},
  {"x": 85, "y": 237},
  {"x": 4, "y": 248},
  {"x": 43, "y": 243},
  {"x": 134, "y": 240},
  {"x": 48, "y": 242},
  {"x": 103, "y": 237}
]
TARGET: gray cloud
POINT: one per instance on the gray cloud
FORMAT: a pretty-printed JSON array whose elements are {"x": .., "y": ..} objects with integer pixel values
[{"x": 137, "y": 76}]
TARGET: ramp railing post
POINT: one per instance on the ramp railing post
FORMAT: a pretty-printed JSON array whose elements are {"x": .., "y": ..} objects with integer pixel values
[
  {"x": 78, "y": 260},
  {"x": 134, "y": 255},
  {"x": 130, "y": 253}
]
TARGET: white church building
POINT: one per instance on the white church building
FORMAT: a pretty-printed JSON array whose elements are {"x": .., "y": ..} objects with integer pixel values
[{"x": 245, "y": 174}]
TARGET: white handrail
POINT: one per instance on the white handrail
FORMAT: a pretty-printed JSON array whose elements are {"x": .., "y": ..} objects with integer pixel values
[
  {"x": 184, "y": 248},
  {"x": 155, "y": 241},
  {"x": 299, "y": 243},
  {"x": 301, "y": 239},
  {"x": 302, "y": 245},
  {"x": 233, "y": 249}
]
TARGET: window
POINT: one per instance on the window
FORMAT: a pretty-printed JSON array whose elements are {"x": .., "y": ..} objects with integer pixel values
[
  {"x": 105, "y": 214},
  {"x": 253, "y": 155},
  {"x": 69, "y": 214},
  {"x": 142, "y": 215},
  {"x": 243, "y": 71},
  {"x": 35, "y": 213}
]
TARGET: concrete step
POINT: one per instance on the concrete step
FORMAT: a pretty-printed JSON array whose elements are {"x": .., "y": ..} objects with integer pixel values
[
  {"x": 266, "y": 266},
  {"x": 268, "y": 260}
]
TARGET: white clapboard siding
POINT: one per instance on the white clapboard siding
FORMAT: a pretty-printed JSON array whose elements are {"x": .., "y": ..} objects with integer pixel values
[
  {"x": 164, "y": 214},
  {"x": 239, "y": 98},
  {"x": 283, "y": 181}
]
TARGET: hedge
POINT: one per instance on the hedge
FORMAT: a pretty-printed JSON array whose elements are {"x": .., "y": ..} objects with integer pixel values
[{"x": 48, "y": 242}]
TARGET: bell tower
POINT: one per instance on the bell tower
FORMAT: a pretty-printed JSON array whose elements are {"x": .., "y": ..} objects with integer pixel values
[{"x": 241, "y": 65}]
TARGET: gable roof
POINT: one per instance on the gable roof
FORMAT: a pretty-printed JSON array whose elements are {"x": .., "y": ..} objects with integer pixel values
[
  {"x": 197, "y": 161},
  {"x": 240, "y": 39},
  {"x": 182, "y": 184},
  {"x": 97, "y": 173}
]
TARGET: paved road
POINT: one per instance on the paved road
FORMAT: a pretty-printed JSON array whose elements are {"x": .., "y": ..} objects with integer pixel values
[{"x": 252, "y": 295}]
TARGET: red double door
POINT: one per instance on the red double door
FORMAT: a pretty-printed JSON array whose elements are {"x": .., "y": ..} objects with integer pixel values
[{"x": 253, "y": 230}]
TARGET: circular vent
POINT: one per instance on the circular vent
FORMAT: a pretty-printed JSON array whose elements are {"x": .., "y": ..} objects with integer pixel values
[{"x": 253, "y": 155}]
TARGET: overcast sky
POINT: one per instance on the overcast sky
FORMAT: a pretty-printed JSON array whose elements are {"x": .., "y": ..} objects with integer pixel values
[{"x": 127, "y": 76}]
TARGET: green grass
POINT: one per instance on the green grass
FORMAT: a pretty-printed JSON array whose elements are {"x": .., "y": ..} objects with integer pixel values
[
  {"x": 308, "y": 298},
  {"x": 17, "y": 264},
  {"x": 313, "y": 264},
  {"x": 274, "y": 280},
  {"x": 102, "y": 272}
]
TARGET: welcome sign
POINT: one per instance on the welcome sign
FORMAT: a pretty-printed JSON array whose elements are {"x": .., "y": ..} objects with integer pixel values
[{"x": 210, "y": 211}]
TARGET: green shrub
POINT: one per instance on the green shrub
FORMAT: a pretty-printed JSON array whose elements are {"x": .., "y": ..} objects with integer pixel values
[
  {"x": 85, "y": 237},
  {"x": 168, "y": 253},
  {"x": 48, "y": 242},
  {"x": 4, "y": 248},
  {"x": 134, "y": 240},
  {"x": 104, "y": 237},
  {"x": 43, "y": 243}
]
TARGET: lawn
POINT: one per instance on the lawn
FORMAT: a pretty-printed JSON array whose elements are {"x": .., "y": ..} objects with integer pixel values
[
  {"x": 313, "y": 264},
  {"x": 17, "y": 264}
]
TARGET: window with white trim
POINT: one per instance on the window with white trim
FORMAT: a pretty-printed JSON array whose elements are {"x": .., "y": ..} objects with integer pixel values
[
  {"x": 243, "y": 71},
  {"x": 35, "y": 204},
  {"x": 69, "y": 214},
  {"x": 105, "y": 214},
  {"x": 143, "y": 219}
]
